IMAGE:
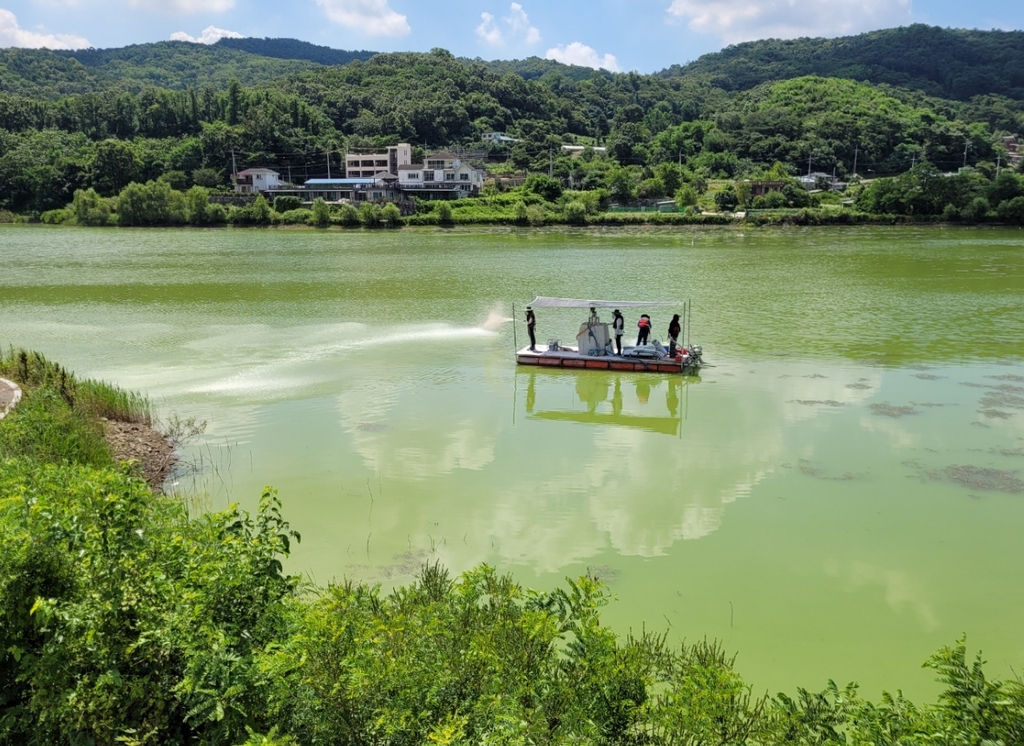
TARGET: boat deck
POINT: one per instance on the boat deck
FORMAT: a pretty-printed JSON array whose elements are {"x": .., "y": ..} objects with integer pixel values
[{"x": 567, "y": 357}]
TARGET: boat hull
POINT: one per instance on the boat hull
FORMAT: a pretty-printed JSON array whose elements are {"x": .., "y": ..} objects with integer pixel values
[{"x": 570, "y": 358}]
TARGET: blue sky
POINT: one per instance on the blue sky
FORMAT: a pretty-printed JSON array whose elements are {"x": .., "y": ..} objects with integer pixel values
[{"x": 619, "y": 35}]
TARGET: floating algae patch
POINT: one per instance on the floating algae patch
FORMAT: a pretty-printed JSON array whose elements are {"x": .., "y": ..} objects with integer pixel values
[
  {"x": 859, "y": 386},
  {"x": 995, "y": 414},
  {"x": 1008, "y": 377},
  {"x": 927, "y": 376},
  {"x": 603, "y": 573},
  {"x": 818, "y": 402},
  {"x": 981, "y": 478},
  {"x": 815, "y": 375},
  {"x": 1002, "y": 400},
  {"x": 930, "y": 404},
  {"x": 812, "y": 471},
  {"x": 1009, "y": 451},
  {"x": 885, "y": 409}
]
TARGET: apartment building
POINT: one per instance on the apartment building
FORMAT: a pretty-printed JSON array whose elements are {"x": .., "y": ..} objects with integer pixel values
[{"x": 362, "y": 166}]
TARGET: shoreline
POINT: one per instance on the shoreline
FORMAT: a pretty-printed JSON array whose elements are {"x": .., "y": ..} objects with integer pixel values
[{"x": 152, "y": 454}]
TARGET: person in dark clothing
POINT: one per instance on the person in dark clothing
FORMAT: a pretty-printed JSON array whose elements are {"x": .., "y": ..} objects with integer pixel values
[
  {"x": 618, "y": 328},
  {"x": 531, "y": 323},
  {"x": 673, "y": 335},
  {"x": 644, "y": 325}
]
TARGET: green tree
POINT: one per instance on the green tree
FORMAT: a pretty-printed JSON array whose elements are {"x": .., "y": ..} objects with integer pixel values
[
  {"x": 113, "y": 167},
  {"x": 544, "y": 186},
  {"x": 321, "y": 216},
  {"x": 90, "y": 208},
  {"x": 443, "y": 211},
  {"x": 197, "y": 206},
  {"x": 391, "y": 216}
]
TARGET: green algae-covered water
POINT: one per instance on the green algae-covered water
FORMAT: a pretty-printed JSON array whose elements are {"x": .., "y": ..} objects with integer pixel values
[{"x": 838, "y": 497}]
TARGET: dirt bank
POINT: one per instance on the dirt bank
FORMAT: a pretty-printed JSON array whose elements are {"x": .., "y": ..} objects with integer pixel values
[{"x": 152, "y": 452}]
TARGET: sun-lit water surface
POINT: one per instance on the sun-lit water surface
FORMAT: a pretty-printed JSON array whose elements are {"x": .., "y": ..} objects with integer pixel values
[{"x": 839, "y": 496}]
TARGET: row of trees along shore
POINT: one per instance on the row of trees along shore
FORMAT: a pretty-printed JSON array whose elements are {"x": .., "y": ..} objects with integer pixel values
[
  {"x": 921, "y": 194},
  {"x": 124, "y": 619},
  {"x": 692, "y": 126}
]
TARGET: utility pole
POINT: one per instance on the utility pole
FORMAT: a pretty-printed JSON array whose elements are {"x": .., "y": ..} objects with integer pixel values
[
  {"x": 855, "y": 150},
  {"x": 999, "y": 160},
  {"x": 966, "y": 143},
  {"x": 551, "y": 164},
  {"x": 234, "y": 168},
  {"x": 808, "y": 164},
  {"x": 328, "y": 164}
]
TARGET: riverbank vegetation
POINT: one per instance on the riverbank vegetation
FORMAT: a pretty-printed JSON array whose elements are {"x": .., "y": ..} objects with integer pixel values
[{"x": 126, "y": 620}]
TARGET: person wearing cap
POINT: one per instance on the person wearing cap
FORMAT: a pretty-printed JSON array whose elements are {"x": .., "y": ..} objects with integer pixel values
[
  {"x": 644, "y": 325},
  {"x": 531, "y": 323},
  {"x": 619, "y": 327}
]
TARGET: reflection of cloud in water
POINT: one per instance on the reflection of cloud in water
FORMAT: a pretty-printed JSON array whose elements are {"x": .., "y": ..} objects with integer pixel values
[
  {"x": 603, "y": 474},
  {"x": 901, "y": 591}
]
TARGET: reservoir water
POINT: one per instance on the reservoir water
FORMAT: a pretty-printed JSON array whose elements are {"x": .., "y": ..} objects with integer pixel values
[{"x": 839, "y": 496}]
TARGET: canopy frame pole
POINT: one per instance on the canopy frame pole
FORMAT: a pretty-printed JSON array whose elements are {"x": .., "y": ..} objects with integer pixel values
[{"x": 515, "y": 339}]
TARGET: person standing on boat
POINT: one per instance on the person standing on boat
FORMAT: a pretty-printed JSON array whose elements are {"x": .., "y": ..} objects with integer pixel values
[
  {"x": 619, "y": 327},
  {"x": 644, "y": 325},
  {"x": 531, "y": 323},
  {"x": 673, "y": 335}
]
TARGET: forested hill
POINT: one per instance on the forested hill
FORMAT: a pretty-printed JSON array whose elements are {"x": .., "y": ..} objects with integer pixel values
[
  {"x": 950, "y": 63},
  {"x": 293, "y": 49}
]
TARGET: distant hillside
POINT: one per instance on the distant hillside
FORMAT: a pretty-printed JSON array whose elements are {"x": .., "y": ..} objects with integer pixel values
[
  {"x": 951, "y": 63},
  {"x": 535, "y": 68},
  {"x": 293, "y": 49}
]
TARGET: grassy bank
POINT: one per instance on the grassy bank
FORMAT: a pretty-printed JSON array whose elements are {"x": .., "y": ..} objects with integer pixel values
[{"x": 125, "y": 621}]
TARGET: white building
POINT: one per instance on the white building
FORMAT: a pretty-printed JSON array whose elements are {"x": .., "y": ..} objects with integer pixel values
[
  {"x": 365, "y": 166},
  {"x": 256, "y": 180},
  {"x": 443, "y": 176}
]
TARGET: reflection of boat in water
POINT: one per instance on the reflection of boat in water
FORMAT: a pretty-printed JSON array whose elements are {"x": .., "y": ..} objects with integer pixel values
[
  {"x": 595, "y": 348},
  {"x": 610, "y": 399}
]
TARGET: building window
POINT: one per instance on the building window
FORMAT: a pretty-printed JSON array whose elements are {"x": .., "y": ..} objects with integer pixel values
[
  {"x": 449, "y": 177},
  {"x": 414, "y": 176},
  {"x": 435, "y": 165},
  {"x": 463, "y": 177}
]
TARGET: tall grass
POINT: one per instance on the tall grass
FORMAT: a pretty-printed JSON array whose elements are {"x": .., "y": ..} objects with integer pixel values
[
  {"x": 44, "y": 427},
  {"x": 96, "y": 398}
]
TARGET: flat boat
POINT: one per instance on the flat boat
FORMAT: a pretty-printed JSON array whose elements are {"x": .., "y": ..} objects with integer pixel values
[{"x": 595, "y": 346}]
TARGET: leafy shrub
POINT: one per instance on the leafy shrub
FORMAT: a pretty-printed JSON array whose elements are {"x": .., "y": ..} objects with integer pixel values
[
  {"x": 370, "y": 215},
  {"x": 57, "y": 217},
  {"x": 726, "y": 200},
  {"x": 348, "y": 215},
  {"x": 152, "y": 203},
  {"x": 320, "y": 216},
  {"x": 285, "y": 202},
  {"x": 520, "y": 213},
  {"x": 544, "y": 186},
  {"x": 576, "y": 213},
  {"x": 391, "y": 216},
  {"x": 258, "y": 213},
  {"x": 443, "y": 212},
  {"x": 976, "y": 211},
  {"x": 1012, "y": 210},
  {"x": 300, "y": 216},
  {"x": 90, "y": 208}
]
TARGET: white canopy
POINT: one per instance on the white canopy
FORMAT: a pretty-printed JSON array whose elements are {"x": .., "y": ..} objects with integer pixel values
[{"x": 542, "y": 301}]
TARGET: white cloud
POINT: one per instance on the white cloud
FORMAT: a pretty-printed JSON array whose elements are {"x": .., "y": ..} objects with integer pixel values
[
  {"x": 12, "y": 35},
  {"x": 580, "y": 54},
  {"x": 210, "y": 35},
  {"x": 488, "y": 30},
  {"x": 735, "y": 21},
  {"x": 517, "y": 25},
  {"x": 372, "y": 17},
  {"x": 185, "y": 7}
]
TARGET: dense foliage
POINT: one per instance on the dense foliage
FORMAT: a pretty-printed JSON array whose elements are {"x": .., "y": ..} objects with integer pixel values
[
  {"x": 103, "y": 119},
  {"x": 952, "y": 63},
  {"x": 124, "y": 620}
]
